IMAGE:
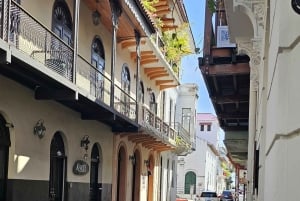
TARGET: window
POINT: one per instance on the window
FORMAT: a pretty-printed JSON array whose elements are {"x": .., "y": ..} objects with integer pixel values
[
  {"x": 170, "y": 111},
  {"x": 125, "y": 85},
  {"x": 186, "y": 118},
  {"x": 61, "y": 59},
  {"x": 201, "y": 127},
  {"x": 153, "y": 103},
  {"x": 141, "y": 93},
  {"x": 62, "y": 21},
  {"x": 163, "y": 105},
  {"x": 208, "y": 127},
  {"x": 98, "y": 61}
]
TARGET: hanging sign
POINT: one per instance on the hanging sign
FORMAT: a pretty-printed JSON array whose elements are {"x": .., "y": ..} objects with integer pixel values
[{"x": 80, "y": 167}]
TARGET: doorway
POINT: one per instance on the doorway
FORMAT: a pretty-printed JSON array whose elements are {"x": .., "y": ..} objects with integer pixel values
[
  {"x": 96, "y": 174},
  {"x": 4, "y": 151},
  {"x": 57, "y": 181}
]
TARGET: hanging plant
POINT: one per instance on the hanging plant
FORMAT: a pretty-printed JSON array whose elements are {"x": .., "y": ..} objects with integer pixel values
[
  {"x": 148, "y": 4},
  {"x": 212, "y": 4},
  {"x": 177, "y": 45}
]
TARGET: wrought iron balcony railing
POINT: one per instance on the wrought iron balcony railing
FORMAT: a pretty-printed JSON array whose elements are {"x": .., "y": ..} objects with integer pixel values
[
  {"x": 21, "y": 30},
  {"x": 183, "y": 139},
  {"x": 160, "y": 128}
]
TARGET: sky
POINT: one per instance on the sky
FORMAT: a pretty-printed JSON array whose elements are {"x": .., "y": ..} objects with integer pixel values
[{"x": 190, "y": 69}]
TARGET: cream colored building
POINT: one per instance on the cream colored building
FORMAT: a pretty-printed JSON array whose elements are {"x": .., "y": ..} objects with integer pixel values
[
  {"x": 267, "y": 31},
  {"x": 88, "y": 101}
]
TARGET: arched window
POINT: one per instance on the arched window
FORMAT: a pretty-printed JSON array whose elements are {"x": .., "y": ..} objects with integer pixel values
[
  {"x": 98, "y": 61},
  {"x": 125, "y": 85},
  {"x": 190, "y": 181},
  {"x": 125, "y": 79},
  {"x": 141, "y": 92},
  {"x": 152, "y": 103},
  {"x": 4, "y": 146},
  {"x": 57, "y": 181},
  {"x": 61, "y": 59},
  {"x": 62, "y": 21}
]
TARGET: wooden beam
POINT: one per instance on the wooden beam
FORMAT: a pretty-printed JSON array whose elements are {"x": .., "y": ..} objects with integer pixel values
[
  {"x": 160, "y": 82},
  {"x": 134, "y": 54},
  {"x": 147, "y": 61},
  {"x": 152, "y": 69},
  {"x": 163, "y": 12},
  {"x": 159, "y": 75},
  {"x": 130, "y": 43},
  {"x": 220, "y": 99},
  {"x": 156, "y": 72},
  {"x": 161, "y": 8},
  {"x": 167, "y": 20},
  {"x": 162, "y": 87},
  {"x": 145, "y": 57},
  {"x": 227, "y": 69},
  {"x": 233, "y": 115}
]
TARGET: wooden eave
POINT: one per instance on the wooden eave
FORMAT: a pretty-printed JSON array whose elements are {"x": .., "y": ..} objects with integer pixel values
[
  {"x": 226, "y": 69},
  {"x": 148, "y": 141}
]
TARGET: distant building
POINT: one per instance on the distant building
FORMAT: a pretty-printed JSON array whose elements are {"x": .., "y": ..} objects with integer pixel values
[{"x": 201, "y": 170}]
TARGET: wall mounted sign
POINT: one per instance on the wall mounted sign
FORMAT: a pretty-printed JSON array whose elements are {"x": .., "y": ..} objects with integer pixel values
[{"x": 80, "y": 167}]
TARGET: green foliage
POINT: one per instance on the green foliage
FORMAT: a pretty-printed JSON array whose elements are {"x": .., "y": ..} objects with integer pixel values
[
  {"x": 212, "y": 5},
  {"x": 177, "y": 44},
  {"x": 148, "y": 4}
]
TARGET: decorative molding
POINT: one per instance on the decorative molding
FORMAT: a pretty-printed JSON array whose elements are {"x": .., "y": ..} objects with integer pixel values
[
  {"x": 254, "y": 50},
  {"x": 256, "y": 11}
]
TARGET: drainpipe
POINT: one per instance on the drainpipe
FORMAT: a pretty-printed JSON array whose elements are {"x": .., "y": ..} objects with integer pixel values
[
  {"x": 138, "y": 64},
  {"x": 76, "y": 8},
  {"x": 116, "y": 13}
]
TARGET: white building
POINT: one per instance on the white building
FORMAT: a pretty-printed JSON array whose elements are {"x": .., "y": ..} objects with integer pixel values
[{"x": 200, "y": 170}]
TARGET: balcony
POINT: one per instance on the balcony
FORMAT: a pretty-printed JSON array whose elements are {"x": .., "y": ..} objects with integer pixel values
[
  {"x": 227, "y": 78},
  {"x": 35, "y": 57}
]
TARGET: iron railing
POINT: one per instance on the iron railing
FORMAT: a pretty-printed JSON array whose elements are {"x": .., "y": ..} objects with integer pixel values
[
  {"x": 20, "y": 29},
  {"x": 124, "y": 103},
  {"x": 34, "y": 39},
  {"x": 162, "y": 129}
]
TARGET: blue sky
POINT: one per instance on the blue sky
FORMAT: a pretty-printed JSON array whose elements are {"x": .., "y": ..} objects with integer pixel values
[{"x": 190, "y": 68}]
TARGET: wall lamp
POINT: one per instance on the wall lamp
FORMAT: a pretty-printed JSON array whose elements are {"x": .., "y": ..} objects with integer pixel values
[
  {"x": 132, "y": 159},
  {"x": 96, "y": 17},
  {"x": 85, "y": 142},
  {"x": 39, "y": 129}
]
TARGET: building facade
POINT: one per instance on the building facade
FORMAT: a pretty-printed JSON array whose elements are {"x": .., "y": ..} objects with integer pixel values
[
  {"x": 88, "y": 101},
  {"x": 201, "y": 170},
  {"x": 265, "y": 32}
]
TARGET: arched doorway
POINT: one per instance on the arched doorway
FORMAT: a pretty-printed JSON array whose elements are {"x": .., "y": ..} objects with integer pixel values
[
  {"x": 96, "y": 174},
  {"x": 190, "y": 183},
  {"x": 150, "y": 170},
  {"x": 4, "y": 147},
  {"x": 136, "y": 173},
  {"x": 57, "y": 181},
  {"x": 121, "y": 177}
]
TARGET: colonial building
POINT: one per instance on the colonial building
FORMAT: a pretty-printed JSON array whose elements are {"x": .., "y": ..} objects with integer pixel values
[
  {"x": 265, "y": 31},
  {"x": 88, "y": 96},
  {"x": 201, "y": 170}
]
